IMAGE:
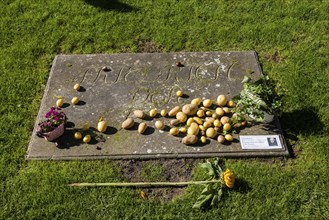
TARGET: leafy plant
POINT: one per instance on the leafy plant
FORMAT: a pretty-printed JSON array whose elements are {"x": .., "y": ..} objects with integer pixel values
[
  {"x": 212, "y": 193},
  {"x": 257, "y": 98}
]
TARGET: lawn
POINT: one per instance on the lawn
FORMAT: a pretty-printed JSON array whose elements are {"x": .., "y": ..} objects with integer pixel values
[{"x": 292, "y": 41}]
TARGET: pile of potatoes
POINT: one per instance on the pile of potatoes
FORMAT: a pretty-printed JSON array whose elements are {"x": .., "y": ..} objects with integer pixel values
[{"x": 195, "y": 121}]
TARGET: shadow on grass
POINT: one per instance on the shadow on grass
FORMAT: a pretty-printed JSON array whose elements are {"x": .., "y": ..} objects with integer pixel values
[
  {"x": 110, "y": 5},
  {"x": 303, "y": 121}
]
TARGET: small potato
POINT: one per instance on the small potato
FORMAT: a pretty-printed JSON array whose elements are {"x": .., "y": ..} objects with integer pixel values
[
  {"x": 142, "y": 127},
  {"x": 210, "y": 119},
  {"x": 229, "y": 137},
  {"x": 230, "y": 104},
  {"x": 153, "y": 112},
  {"x": 101, "y": 126},
  {"x": 217, "y": 123},
  {"x": 207, "y": 103},
  {"x": 203, "y": 139},
  {"x": 59, "y": 102},
  {"x": 77, "y": 86},
  {"x": 174, "y": 131},
  {"x": 226, "y": 127},
  {"x": 200, "y": 113},
  {"x": 159, "y": 125},
  {"x": 174, "y": 122},
  {"x": 75, "y": 100},
  {"x": 209, "y": 113},
  {"x": 183, "y": 130},
  {"x": 211, "y": 133},
  {"x": 207, "y": 124},
  {"x": 226, "y": 110},
  {"x": 77, "y": 135},
  {"x": 215, "y": 115},
  {"x": 198, "y": 120},
  {"x": 193, "y": 129},
  {"x": 128, "y": 123},
  {"x": 163, "y": 113},
  {"x": 181, "y": 116},
  {"x": 202, "y": 128},
  {"x": 220, "y": 111},
  {"x": 190, "y": 139},
  {"x": 190, "y": 109},
  {"x": 196, "y": 101},
  {"x": 221, "y": 100},
  {"x": 221, "y": 139},
  {"x": 86, "y": 139},
  {"x": 179, "y": 93},
  {"x": 174, "y": 111},
  {"x": 139, "y": 114},
  {"x": 225, "y": 120},
  {"x": 189, "y": 121}
]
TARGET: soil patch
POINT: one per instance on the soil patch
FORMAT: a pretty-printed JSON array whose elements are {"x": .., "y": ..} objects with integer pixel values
[{"x": 171, "y": 170}]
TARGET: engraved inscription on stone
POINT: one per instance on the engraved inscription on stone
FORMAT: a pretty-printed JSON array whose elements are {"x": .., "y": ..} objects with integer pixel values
[{"x": 117, "y": 84}]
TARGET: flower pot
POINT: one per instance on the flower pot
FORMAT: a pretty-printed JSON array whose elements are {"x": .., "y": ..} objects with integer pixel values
[{"x": 54, "y": 134}]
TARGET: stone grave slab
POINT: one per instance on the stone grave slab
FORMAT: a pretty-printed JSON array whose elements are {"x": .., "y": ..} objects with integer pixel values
[{"x": 114, "y": 85}]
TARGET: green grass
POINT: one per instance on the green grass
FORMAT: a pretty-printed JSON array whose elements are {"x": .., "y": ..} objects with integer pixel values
[{"x": 292, "y": 39}]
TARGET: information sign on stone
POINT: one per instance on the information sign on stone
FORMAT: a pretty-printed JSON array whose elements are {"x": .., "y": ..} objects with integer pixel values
[{"x": 114, "y": 85}]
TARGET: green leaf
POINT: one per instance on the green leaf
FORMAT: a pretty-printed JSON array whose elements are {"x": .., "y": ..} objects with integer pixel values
[
  {"x": 209, "y": 168},
  {"x": 205, "y": 199}
]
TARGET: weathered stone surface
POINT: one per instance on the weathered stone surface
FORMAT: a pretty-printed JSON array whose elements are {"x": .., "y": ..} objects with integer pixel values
[{"x": 114, "y": 85}]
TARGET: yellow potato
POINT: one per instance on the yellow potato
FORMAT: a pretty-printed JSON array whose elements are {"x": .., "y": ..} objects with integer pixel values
[
  {"x": 190, "y": 139},
  {"x": 207, "y": 103},
  {"x": 174, "y": 122},
  {"x": 229, "y": 137},
  {"x": 139, "y": 114},
  {"x": 221, "y": 100},
  {"x": 200, "y": 113},
  {"x": 101, "y": 126},
  {"x": 207, "y": 124},
  {"x": 196, "y": 101},
  {"x": 221, "y": 139},
  {"x": 174, "y": 111},
  {"x": 142, "y": 127},
  {"x": 198, "y": 120},
  {"x": 86, "y": 127},
  {"x": 220, "y": 111},
  {"x": 226, "y": 110},
  {"x": 181, "y": 116},
  {"x": 226, "y": 127},
  {"x": 179, "y": 93},
  {"x": 59, "y": 102},
  {"x": 77, "y": 135},
  {"x": 163, "y": 113},
  {"x": 153, "y": 112},
  {"x": 193, "y": 129},
  {"x": 77, "y": 86},
  {"x": 225, "y": 120},
  {"x": 190, "y": 109},
  {"x": 209, "y": 113},
  {"x": 230, "y": 103},
  {"x": 159, "y": 125},
  {"x": 128, "y": 123},
  {"x": 86, "y": 139},
  {"x": 189, "y": 121},
  {"x": 75, "y": 100},
  {"x": 210, "y": 132},
  {"x": 217, "y": 123},
  {"x": 203, "y": 139},
  {"x": 174, "y": 131},
  {"x": 183, "y": 130}
]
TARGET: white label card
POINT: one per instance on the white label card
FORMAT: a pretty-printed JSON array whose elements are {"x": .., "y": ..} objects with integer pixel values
[{"x": 261, "y": 142}]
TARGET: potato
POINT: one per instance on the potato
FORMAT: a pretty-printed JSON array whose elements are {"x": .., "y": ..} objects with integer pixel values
[
  {"x": 202, "y": 128},
  {"x": 207, "y": 124},
  {"x": 75, "y": 100},
  {"x": 193, "y": 129},
  {"x": 174, "y": 122},
  {"x": 226, "y": 127},
  {"x": 221, "y": 100},
  {"x": 209, "y": 113},
  {"x": 159, "y": 125},
  {"x": 198, "y": 120},
  {"x": 153, "y": 112},
  {"x": 101, "y": 126},
  {"x": 190, "y": 139},
  {"x": 221, "y": 139},
  {"x": 163, "y": 113},
  {"x": 174, "y": 111},
  {"x": 86, "y": 139},
  {"x": 200, "y": 113},
  {"x": 190, "y": 109},
  {"x": 139, "y": 114},
  {"x": 183, "y": 130},
  {"x": 217, "y": 123},
  {"x": 77, "y": 135},
  {"x": 226, "y": 110},
  {"x": 211, "y": 133},
  {"x": 77, "y": 86},
  {"x": 196, "y": 101},
  {"x": 220, "y": 111},
  {"x": 207, "y": 103},
  {"x": 225, "y": 120},
  {"x": 189, "y": 121},
  {"x": 229, "y": 137},
  {"x": 128, "y": 123},
  {"x": 210, "y": 119},
  {"x": 86, "y": 127},
  {"x": 181, "y": 116},
  {"x": 203, "y": 139},
  {"x": 230, "y": 103},
  {"x": 59, "y": 102},
  {"x": 174, "y": 131},
  {"x": 179, "y": 93},
  {"x": 142, "y": 127}
]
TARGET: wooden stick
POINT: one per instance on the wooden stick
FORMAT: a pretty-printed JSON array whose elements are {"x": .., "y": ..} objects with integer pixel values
[{"x": 145, "y": 184}]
